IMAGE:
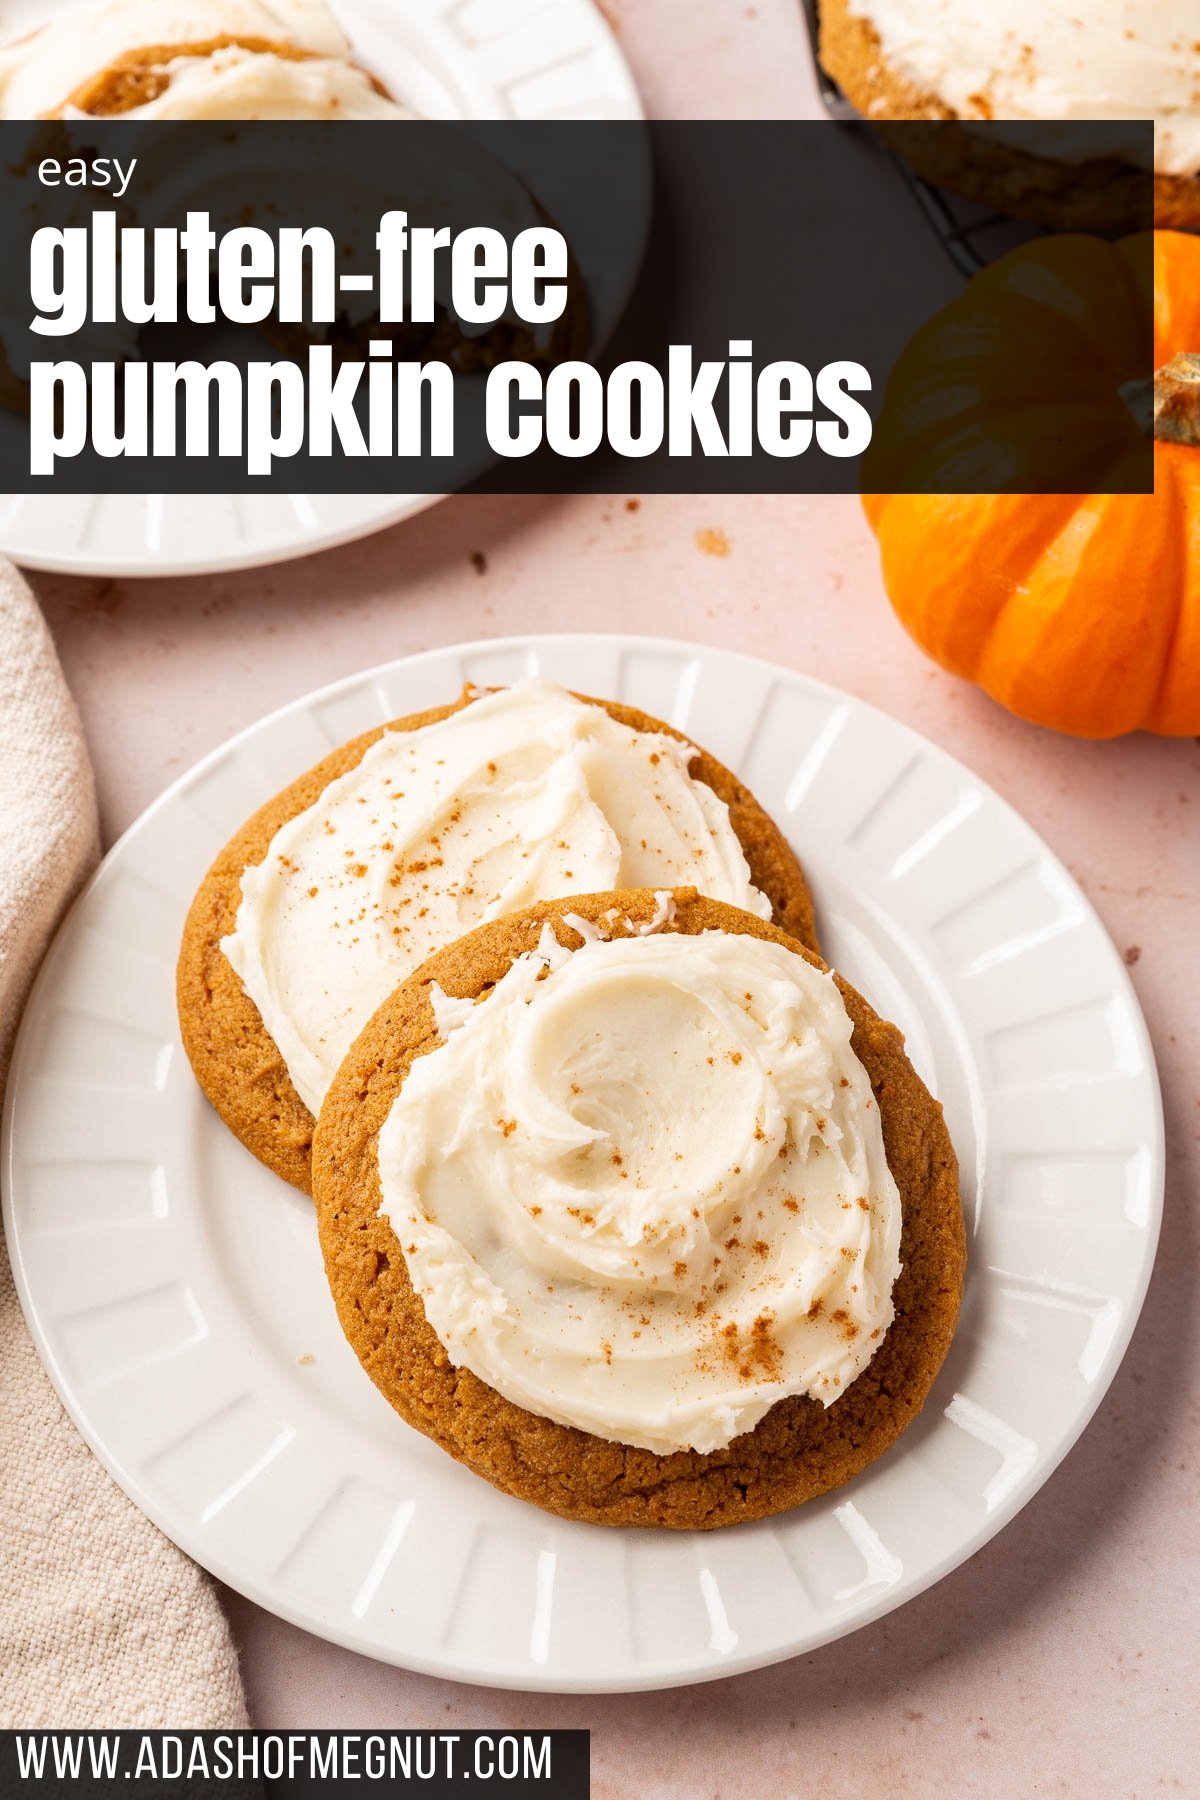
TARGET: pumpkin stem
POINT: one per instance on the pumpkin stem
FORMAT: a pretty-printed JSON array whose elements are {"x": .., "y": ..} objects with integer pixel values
[{"x": 1166, "y": 406}]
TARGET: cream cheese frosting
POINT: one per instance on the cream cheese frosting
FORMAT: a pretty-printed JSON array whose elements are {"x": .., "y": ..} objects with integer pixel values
[
  {"x": 234, "y": 83},
  {"x": 641, "y": 1187},
  {"x": 526, "y": 792},
  {"x": 39, "y": 72},
  {"x": 1047, "y": 60}
]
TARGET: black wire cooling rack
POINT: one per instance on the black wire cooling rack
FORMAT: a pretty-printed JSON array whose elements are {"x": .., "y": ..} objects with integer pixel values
[{"x": 971, "y": 235}]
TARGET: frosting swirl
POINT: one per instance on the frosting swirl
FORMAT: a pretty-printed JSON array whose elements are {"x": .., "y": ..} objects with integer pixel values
[
  {"x": 641, "y": 1187},
  {"x": 525, "y": 792}
]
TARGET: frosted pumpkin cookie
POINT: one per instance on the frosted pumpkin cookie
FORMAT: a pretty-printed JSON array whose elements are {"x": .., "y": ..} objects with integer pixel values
[
  {"x": 190, "y": 59},
  {"x": 412, "y": 834},
  {"x": 14, "y": 392},
  {"x": 641, "y": 1213},
  {"x": 1027, "y": 64}
]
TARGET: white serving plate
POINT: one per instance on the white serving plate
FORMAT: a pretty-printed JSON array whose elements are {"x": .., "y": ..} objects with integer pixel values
[
  {"x": 448, "y": 59},
  {"x": 175, "y": 1289}
]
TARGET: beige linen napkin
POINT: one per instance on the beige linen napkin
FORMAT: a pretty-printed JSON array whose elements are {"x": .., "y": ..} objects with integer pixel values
[{"x": 102, "y": 1620}]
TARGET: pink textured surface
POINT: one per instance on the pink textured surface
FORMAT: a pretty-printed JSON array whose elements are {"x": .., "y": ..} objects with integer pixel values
[{"x": 1063, "y": 1659}]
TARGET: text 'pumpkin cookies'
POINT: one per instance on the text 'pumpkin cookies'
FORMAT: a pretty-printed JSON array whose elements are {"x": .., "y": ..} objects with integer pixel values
[{"x": 641, "y": 1213}]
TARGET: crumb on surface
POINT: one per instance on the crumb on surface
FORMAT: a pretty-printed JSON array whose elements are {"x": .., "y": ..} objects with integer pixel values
[{"x": 712, "y": 541}]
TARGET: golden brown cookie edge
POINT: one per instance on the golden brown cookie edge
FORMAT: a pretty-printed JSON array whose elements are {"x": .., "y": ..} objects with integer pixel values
[{"x": 800, "y": 1450}]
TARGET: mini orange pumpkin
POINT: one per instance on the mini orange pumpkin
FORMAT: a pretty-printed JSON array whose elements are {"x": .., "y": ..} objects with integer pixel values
[{"x": 1078, "y": 611}]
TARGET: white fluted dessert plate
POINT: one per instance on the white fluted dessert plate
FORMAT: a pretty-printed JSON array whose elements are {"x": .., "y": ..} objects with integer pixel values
[
  {"x": 447, "y": 59},
  {"x": 175, "y": 1289}
]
